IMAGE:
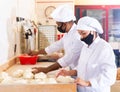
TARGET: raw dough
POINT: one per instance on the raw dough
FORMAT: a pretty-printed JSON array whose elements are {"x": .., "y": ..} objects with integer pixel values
[
  {"x": 65, "y": 79},
  {"x": 51, "y": 81},
  {"x": 28, "y": 74},
  {"x": 3, "y": 75},
  {"x": 21, "y": 81},
  {"x": 18, "y": 73},
  {"x": 6, "y": 79},
  {"x": 40, "y": 75}
]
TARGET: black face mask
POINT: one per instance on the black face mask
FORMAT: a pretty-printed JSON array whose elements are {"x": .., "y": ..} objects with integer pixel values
[
  {"x": 60, "y": 29},
  {"x": 89, "y": 39}
]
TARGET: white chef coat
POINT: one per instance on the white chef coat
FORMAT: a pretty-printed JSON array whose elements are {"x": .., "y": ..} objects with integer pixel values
[
  {"x": 66, "y": 43},
  {"x": 97, "y": 65}
]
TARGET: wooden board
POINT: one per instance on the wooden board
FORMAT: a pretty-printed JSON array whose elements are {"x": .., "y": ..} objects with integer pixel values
[
  {"x": 14, "y": 64},
  {"x": 116, "y": 87},
  {"x": 8, "y": 64},
  {"x": 39, "y": 88}
]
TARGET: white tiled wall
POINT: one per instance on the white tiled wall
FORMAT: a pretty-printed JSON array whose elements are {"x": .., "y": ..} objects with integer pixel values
[{"x": 9, "y": 30}]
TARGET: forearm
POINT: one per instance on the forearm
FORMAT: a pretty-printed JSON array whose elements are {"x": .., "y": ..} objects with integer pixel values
[
  {"x": 54, "y": 66},
  {"x": 42, "y": 51}
]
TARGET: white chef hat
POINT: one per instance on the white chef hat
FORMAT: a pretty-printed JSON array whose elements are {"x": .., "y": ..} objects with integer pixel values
[
  {"x": 89, "y": 23},
  {"x": 63, "y": 13}
]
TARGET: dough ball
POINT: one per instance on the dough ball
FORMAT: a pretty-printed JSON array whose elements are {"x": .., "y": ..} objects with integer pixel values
[
  {"x": 36, "y": 81},
  {"x": 7, "y": 80},
  {"x": 52, "y": 81},
  {"x": 65, "y": 79},
  {"x": 40, "y": 75},
  {"x": 28, "y": 70},
  {"x": 18, "y": 73},
  {"x": 3, "y": 75},
  {"x": 71, "y": 80},
  {"x": 1, "y": 78},
  {"x": 21, "y": 81},
  {"x": 28, "y": 74}
]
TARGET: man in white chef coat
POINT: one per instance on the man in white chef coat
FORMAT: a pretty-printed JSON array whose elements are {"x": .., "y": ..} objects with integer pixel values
[
  {"x": 96, "y": 69},
  {"x": 64, "y": 17}
]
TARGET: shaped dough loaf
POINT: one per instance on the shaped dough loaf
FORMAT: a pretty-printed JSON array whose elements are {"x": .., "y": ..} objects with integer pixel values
[
  {"x": 65, "y": 79},
  {"x": 21, "y": 81},
  {"x": 3, "y": 75},
  {"x": 6, "y": 79},
  {"x": 28, "y": 74},
  {"x": 40, "y": 75},
  {"x": 18, "y": 73},
  {"x": 51, "y": 81}
]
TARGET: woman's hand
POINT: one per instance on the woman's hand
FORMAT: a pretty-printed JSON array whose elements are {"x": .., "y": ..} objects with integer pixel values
[
  {"x": 62, "y": 72},
  {"x": 81, "y": 82}
]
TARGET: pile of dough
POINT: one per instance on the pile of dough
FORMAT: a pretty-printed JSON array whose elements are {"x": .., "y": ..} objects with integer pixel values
[
  {"x": 40, "y": 75},
  {"x": 64, "y": 79},
  {"x": 3, "y": 75},
  {"x": 50, "y": 80},
  {"x": 18, "y": 73},
  {"x": 20, "y": 81},
  {"x": 27, "y": 77},
  {"x": 1, "y": 78},
  {"x": 43, "y": 81},
  {"x": 36, "y": 81},
  {"x": 5, "y": 78},
  {"x": 28, "y": 74},
  {"x": 42, "y": 78}
]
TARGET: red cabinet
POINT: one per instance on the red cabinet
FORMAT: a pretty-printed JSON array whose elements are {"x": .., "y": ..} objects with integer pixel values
[{"x": 108, "y": 16}]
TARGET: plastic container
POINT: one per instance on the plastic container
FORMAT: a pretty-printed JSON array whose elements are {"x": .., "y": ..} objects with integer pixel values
[{"x": 28, "y": 60}]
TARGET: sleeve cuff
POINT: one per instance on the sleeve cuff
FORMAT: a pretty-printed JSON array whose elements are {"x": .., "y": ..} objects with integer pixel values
[
  {"x": 61, "y": 62},
  {"x": 93, "y": 83},
  {"x": 47, "y": 50}
]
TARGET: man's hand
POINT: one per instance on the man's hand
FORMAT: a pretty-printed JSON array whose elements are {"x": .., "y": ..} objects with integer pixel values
[
  {"x": 42, "y": 51},
  {"x": 33, "y": 53},
  {"x": 56, "y": 55},
  {"x": 39, "y": 69}
]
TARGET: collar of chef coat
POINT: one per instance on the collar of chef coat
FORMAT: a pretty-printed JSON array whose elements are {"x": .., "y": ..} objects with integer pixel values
[
  {"x": 73, "y": 28},
  {"x": 93, "y": 44}
]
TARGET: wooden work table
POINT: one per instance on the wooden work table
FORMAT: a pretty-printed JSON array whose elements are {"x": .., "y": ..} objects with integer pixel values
[
  {"x": 14, "y": 64},
  {"x": 116, "y": 86}
]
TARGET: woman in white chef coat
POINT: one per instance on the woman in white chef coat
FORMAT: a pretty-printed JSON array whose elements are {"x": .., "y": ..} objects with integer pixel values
[
  {"x": 64, "y": 17},
  {"x": 96, "y": 69}
]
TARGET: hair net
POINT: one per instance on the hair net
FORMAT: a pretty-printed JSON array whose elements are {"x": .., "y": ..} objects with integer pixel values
[
  {"x": 63, "y": 13},
  {"x": 89, "y": 23}
]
